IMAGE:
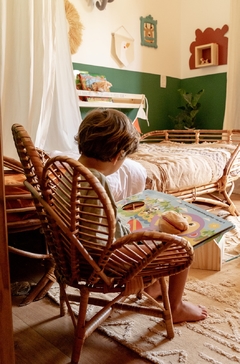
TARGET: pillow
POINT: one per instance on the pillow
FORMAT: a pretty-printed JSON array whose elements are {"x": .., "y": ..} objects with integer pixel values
[{"x": 78, "y": 78}]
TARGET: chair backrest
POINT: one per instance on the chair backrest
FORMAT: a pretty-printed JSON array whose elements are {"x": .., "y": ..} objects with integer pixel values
[
  {"x": 65, "y": 183},
  {"x": 82, "y": 205}
]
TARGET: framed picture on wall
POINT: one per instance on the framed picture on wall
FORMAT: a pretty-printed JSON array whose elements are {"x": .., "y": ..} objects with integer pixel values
[{"x": 148, "y": 31}]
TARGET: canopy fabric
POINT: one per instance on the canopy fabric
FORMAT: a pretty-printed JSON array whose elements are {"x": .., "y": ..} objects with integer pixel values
[{"x": 36, "y": 76}]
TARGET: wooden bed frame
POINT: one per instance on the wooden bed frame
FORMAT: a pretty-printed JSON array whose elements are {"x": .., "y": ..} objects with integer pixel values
[
  {"x": 19, "y": 201},
  {"x": 20, "y": 208},
  {"x": 20, "y": 204},
  {"x": 216, "y": 194}
]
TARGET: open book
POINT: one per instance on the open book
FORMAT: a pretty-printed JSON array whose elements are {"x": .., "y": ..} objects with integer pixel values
[{"x": 142, "y": 211}]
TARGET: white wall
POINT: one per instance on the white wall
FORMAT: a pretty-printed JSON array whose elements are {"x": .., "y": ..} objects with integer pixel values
[
  {"x": 99, "y": 25},
  {"x": 177, "y": 21}
]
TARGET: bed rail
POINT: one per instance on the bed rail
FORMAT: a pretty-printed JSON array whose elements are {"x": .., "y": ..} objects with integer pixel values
[{"x": 193, "y": 136}]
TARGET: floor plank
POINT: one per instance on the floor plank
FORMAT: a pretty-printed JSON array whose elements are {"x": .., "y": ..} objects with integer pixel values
[{"x": 41, "y": 334}]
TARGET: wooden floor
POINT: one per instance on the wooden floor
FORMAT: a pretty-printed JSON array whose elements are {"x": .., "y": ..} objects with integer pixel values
[{"x": 42, "y": 337}]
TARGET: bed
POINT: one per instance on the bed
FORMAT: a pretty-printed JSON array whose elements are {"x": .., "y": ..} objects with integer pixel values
[{"x": 195, "y": 165}]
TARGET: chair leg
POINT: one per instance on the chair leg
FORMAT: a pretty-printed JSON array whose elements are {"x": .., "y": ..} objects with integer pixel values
[
  {"x": 63, "y": 300},
  {"x": 80, "y": 330},
  {"x": 167, "y": 314},
  {"x": 42, "y": 287}
]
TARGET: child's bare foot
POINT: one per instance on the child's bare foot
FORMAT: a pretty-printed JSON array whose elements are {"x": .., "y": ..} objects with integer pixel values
[
  {"x": 187, "y": 311},
  {"x": 154, "y": 290}
]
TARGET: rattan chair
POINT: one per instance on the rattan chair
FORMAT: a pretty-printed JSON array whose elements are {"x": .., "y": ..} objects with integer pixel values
[
  {"x": 32, "y": 162},
  {"x": 88, "y": 257}
]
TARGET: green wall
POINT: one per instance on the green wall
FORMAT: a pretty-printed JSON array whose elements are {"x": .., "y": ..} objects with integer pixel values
[
  {"x": 211, "y": 114},
  {"x": 165, "y": 101}
]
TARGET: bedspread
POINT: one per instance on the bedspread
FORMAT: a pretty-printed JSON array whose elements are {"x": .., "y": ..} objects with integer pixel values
[{"x": 173, "y": 166}]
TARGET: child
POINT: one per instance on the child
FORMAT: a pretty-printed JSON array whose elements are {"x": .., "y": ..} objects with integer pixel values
[{"x": 105, "y": 137}]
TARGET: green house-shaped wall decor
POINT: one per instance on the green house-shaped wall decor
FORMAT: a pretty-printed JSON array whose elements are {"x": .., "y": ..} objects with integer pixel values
[{"x": 148, "y": 31}]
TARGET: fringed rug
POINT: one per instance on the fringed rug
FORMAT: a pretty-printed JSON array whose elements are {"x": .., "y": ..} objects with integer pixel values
[
  {"x": 215, "y": 340},
  {"x": 232, "y": 240}
]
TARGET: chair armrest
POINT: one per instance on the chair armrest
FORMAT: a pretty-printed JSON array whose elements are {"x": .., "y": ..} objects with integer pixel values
[{"x": 150, "y": 252}]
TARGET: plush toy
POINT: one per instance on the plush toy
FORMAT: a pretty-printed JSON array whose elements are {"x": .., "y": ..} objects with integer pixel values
[
  {"x": 173, "y": 222},
  {"x": 93, "y": 82},
  {"x": 103, "y": 86}
]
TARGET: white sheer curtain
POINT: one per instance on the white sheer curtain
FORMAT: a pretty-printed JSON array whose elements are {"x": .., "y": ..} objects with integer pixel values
[
  {"x": 36, "y": 76},
  {"x": 232, "y": 110}
]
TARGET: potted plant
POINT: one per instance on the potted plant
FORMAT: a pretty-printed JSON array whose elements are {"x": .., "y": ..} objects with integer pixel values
[{"x": 186, "y": 118}]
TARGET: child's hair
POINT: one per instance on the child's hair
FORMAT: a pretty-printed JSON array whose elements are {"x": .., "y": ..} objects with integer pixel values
[{"x": 104, "y": 133}]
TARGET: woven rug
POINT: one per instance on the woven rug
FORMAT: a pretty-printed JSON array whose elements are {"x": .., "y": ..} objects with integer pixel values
[
  {"x": 232, "y": 240},
  {"x": 215, "y": 340}
]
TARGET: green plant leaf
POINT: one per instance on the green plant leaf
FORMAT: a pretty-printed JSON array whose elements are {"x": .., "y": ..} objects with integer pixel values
[
  {"x": 186, "y": 117},
  {"x": 186, "y": 96},
  {"x": 196, "y": 97}
]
